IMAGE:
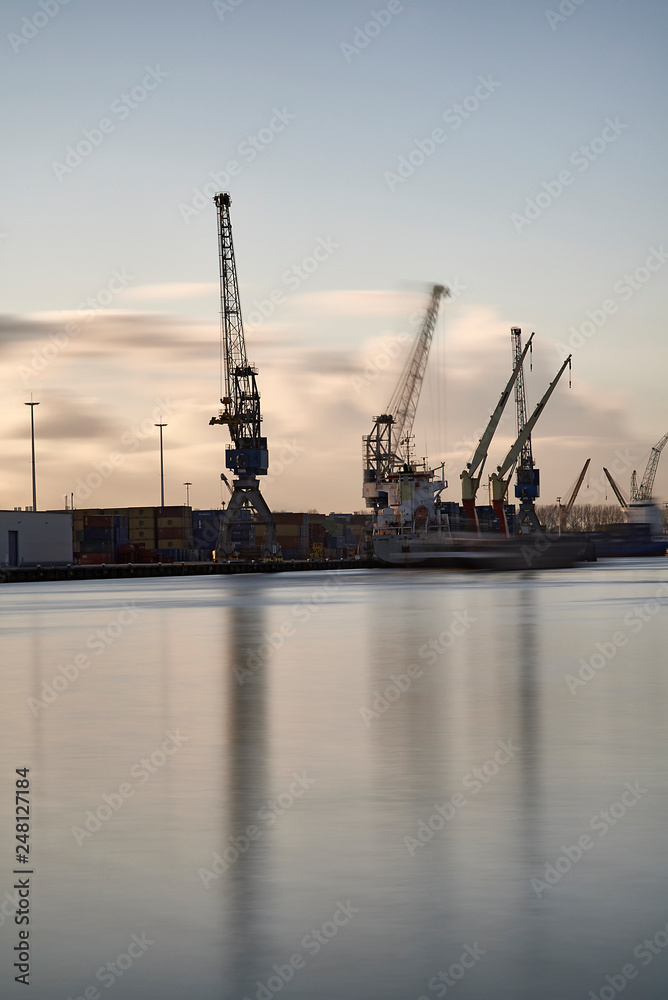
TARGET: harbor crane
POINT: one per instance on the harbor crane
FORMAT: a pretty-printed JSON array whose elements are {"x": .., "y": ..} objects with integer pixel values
[
  {"x": 643, "y": 493},
  {"x": 527, "y": 487},
  {"x": 472, "y": 474},
  {"x": 247, "y": 456},
  {"x": 499, "y": 484},
  {"x": 387, "y": 447},
  {"x": 623, "y": 502},
  {"x": 566, "y": 507}
]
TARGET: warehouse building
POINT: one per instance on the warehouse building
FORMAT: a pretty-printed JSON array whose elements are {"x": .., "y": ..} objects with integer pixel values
[{"x": 31, "y": 537}]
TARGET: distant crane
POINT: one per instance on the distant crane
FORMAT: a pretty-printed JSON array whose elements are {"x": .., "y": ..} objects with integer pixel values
[
  {"x": 247, "y": 456},
  {"x": 643, "y": 493},
  {"x": 623, "y": 502},
  {"x": 387, "y": 447},
  {"x": 499, "y": 484},
  {"x": 472, "y": 474},
  {"x": 566, "y": 507},
  {"x": 527, "y": 488}
]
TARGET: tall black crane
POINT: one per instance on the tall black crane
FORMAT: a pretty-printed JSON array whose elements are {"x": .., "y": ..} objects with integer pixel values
[
  {"x": 527, "y": 487},
  {"x": 247, "y": 456}
]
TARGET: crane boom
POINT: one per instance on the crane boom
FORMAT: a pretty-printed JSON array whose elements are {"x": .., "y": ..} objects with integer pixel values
[
  {"x": 515, "y": 450},
  {"x": 499, "y": 485},
  {"x": 386, "y": 448},
  {"x": 404, "y": 402},
  {"x": 475, "y": 466},
  {"x": 644, "y": 491},
  {"x": 247, "y": 456},
  {"x": 566, "y": 508},
  {"x": 618, "y": 493},
  {"x": 472, "y": 474}
]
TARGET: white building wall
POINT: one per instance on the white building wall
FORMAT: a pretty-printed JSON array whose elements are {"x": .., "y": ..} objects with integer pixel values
[{"x": 42, "y": 537}]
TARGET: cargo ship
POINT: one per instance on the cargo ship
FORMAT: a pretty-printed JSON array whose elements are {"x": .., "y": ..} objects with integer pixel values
[{"x": 414, "y": 531}]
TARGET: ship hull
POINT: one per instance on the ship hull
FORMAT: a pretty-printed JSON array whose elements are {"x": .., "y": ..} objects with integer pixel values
[{"x": 423, "y": 549}]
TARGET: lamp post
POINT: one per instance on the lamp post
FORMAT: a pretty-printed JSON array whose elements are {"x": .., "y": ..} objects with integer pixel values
[
  {"x": 162, "y": 469},
  {"x": 187, "y": 486},
  {"x": 32, "y": 440}
]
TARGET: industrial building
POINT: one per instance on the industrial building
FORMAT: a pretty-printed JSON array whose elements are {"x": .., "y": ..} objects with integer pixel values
[{"x": 31, "y": 537}]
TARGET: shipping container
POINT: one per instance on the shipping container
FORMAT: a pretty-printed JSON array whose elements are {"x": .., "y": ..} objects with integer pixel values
[
  {"x": 102, "y": 546},
  {"x": 174, "y": 532},
  {"x": 139, "y": 535},
  {"x": 98, "y": 534},
  {"x": 93, "y": 559},
  {"x": 98, "y": 521}
]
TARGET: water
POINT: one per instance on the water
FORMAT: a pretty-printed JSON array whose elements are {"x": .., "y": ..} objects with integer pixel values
[{"x": 313, "y": 791}]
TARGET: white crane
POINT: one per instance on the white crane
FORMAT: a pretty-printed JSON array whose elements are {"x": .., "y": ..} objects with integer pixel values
[
  {"x": 472, "y": 474},
  {"x": 499, "y": 484}
]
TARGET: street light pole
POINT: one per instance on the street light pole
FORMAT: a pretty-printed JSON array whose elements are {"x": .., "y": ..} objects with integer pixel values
[
  {"x": 187, "y": 486},
  {"x": 32, "y": 440},
  {"x": 162, "y": 469}
]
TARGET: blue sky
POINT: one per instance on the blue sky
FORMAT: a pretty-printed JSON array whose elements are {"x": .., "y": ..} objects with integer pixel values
[{"x": 331, "y": 126}]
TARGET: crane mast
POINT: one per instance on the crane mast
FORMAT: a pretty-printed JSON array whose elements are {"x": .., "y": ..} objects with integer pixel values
[
  {"x": 387, "y": 447},
  {"x": 472, "y": 474},
  {"x": 499, "y": 484},
  {"x": 527, "y": 488},
  {"x": 247, "y": 456}
]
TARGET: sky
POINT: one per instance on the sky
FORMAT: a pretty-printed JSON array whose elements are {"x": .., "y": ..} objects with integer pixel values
[{"x": 514, "y": 150}]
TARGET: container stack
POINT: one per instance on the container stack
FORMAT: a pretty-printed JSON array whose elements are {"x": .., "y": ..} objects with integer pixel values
[{"x": 174, "y": 529}]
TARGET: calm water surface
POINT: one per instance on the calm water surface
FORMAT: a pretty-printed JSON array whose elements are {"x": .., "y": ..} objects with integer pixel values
[{"x": 279, "y": 787}]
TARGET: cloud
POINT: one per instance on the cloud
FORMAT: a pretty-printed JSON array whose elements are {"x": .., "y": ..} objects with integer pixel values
[
  {"x": 170, "y": 291},
  {"x": 360, "y": 302},
  {"x": 106, "y": 388}
]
